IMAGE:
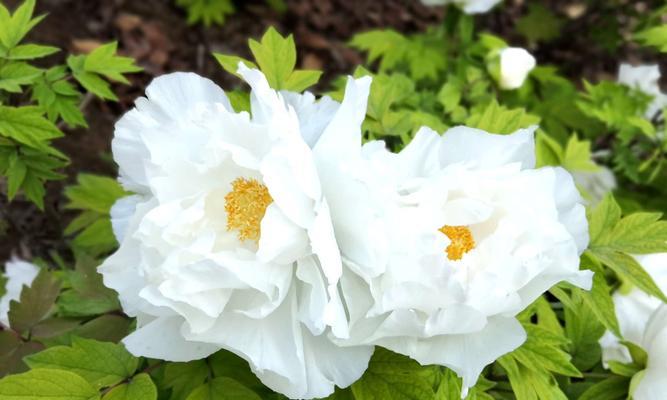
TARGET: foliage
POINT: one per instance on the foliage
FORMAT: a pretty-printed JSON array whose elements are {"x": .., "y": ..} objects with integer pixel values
[
  {"x": 67, "y": 326},
  {"x": 36, "y": 102}
]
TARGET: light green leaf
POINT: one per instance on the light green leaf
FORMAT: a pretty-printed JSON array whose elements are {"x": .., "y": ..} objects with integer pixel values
[
  {"x": 46, "y": 384},
  {"x": 15, "y": 176},
  {"x": 104, "y": 61},
  {"x": 223, "y": 389},
  {"x": 276, "y": 57},
  {"x": 599, "y": 298},
  {"x": 628, "y": 268},
  {"x": 655, "y": 36},
  {"x": 394, "y": 377},
  {"x": 542, "y": 351},
  {"x": 577, "y": 156},
  {"x": 501, "y": 120},
  {"x": 140, "y": 387},
  {"x": 94, "y": 192},
  {"x": 231, "y": 63},
  {"x": 101, "y": 364},
  {"x": 15, "y": 74},
  {"x": 603, "y": 218},
  {"x": 30, "y": 52},
  {"x": 300, "y": 80},
  {"x": 13, "y": 28},
  {"x": 27, "y": 125}
]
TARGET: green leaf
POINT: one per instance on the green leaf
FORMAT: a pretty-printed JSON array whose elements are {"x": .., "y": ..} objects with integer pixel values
[
  {"x": 612, "y": 388},
  {"x": 655, "y": 37},
  {"x": 603, "y": 218},
  {"x": 12, "y": 352},
  {"x": 577, "y": 156},
  {"x": 542, "y": 351},
  {"x": 101, "y": 364},
  {"x": 30, "y": 52},
  {"x": 228, "y": 364},
  {"x": 183, "y": 378},
  {"x": 223, "y": 389},
  {"x": 499, "y": 119},
  {"x": 46, "y": 384},
  {"x": 13, "y": 28},
  {"x": 639, "y": 355},
  {"x": 623, "y": 369},
  {"x": 15, "y": 74},
  {"x": 629, "y": 269},
  {"x": 231, "y": 63},
  {"x": 584, "y": 331},
  {"x": 207, "y": 11},
  {"x": 27, "y": 125},
  {"x": 94, "y": 192},
  {"x": 104, "y": 61},
  {"x": 638, "y": 233},
  {"x": 276, "y": 57},
  {"x": 396, "y": 377},
  {"x": 599, "y": 298},
  {"x": 15, "y": 176},
  {"x": 35, "y": 302},
  {"x": 300, "y": 80},
  {"x": 140, "y": 387},
  {"x": 88, "y": 295}
]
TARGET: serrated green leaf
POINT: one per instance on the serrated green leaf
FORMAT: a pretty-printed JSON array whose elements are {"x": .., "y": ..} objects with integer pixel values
[
  {"x": 276, "y": 57},
  {"x": 101, "y": 364},
  {"x": 13, "y": 75},
  {"x": 542, "y": 351},
  {"x": 638, "y": 233},
  {"x": 501, "y": 120},
  {"x": 301, "y": 80},
  {"x": 94, "y": 192},
  {"x": 15, "y": 176},
  {"x": 577, "y": 155},
  {"x": 104, "y": 61},
  {"x": 13, "y": 28},
  {"x": 584, "y": 331},
  {"x": 599, "y": 298},
  {"x": 603, "y": 218},
  {"x": 35, "y": 302},
  {"x": 26, "y": 125},
  {"x": 231, "y": 63},
  {"x": 46, "y": 384},
  {"x": 140, "y": 387},
  {"x": 628, "y": 268},
  {"x": 207, "y": 11},
  {"x": 30, "y": 52},
  {"x": 394, "y": 377}
]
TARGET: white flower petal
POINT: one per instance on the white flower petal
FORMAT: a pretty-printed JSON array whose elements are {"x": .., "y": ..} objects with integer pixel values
[
  {"x": 515, "y": 65},
  {"x": 281, "y": 240},
  {"x": 314, "y": 115},
  {"x": 480, "y": 149}
]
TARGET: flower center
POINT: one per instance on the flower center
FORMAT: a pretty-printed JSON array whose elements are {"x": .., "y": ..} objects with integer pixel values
[
  {"x": 245, "y": 206},
  {"x": 461, "y": 241}
]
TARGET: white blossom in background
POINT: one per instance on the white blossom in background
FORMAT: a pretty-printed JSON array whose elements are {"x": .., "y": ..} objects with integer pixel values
[
  {"x": 634, "y": 309},
  {"x": 228, "y": 242},
  {"x": 595, "y": 184},
  {"x": 18, "y": 273},
  {"x": 469, "y": 6},
  {"x": 515, "y": 65},
  {"x": 446, "y": 242},
  {"x": 646, "y": 79},
  {"x": 653, "y": 384}
]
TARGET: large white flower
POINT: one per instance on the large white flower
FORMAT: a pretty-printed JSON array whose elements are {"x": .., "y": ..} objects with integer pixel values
[
  {"x": 228, "y": 241},
  {"x": 515, "y": 65},
  {"x": 469, "y": 6},
  {"x": 634, "y": 309},
  {"x": 18, "y": 273},
  {"x": 445, "y": 242},
  {"x": 646, "y": 79}
]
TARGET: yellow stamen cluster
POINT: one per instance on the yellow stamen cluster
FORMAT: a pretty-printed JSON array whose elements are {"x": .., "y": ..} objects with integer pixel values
[
  {"x": 462, "y": 241},
  {"x": 245, "y": 206}
]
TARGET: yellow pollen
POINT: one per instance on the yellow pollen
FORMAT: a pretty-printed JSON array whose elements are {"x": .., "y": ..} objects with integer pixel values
[
  {"x": 245, "y": 206},
  {"x": 462, "y": 241}
]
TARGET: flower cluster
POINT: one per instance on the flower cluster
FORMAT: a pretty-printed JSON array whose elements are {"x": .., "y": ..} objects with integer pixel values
[{"x": 277, "y": 235}]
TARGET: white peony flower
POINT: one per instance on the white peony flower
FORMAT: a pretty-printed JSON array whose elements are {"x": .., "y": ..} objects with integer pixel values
[
  {"x": 444, "y": 243},
  {"x": 469, "y": 6},
  {"x": 18, "y": 273},
  {"x": 652, "y": 384},
  {"x": 228, "y": 242},
  {"x": 515, "y": 65},
  {"x": 644, "y": 78},
  {"x": 634, "y": 309},
  {"x": 595, "y": 184}
]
